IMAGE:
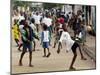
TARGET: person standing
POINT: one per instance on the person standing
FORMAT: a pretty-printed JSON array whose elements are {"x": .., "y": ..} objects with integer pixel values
[
  {"x": 27, "y": 38},
  {"x": 37, "y": 19},
  {"x": 16, "y": 32},
  {"x": 45, "y": 38},
  {"x": 34, "y": 30},
  {"x": 48, "y": 22}
]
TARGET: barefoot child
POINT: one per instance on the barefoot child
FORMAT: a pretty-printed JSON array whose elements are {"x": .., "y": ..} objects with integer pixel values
[
  {"x": 16, "y": 32},
  {"x": 71, "y": 44},
  {"x": 27, "y": 38},
  {"x": 45, "y": 38}
]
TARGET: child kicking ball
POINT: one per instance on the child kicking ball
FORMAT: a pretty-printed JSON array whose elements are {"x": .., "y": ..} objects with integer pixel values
[{"x": 70, "y": 45}]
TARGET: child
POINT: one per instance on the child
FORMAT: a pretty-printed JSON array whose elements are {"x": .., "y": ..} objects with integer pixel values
[
  {"x": 58, "y": 31},
  {"x": 81, "y": 35},
  {"x": 37, "y": 19},
  {"x": 27, "y": 38},
  {"x": 34, "y": 30},
  {"x": 48, "y": 21},
  {"x": 45, "y": 38},
  {"x": 21, "y": 25},
  {"x": 70, "y": 45},
  {"x": 16, "y": 32}
]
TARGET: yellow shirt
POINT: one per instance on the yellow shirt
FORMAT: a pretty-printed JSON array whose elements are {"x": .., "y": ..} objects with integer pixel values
[{"x": 16, "y": 32}]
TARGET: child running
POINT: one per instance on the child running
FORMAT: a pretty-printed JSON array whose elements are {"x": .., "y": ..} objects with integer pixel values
[
  {"x": 45, "y": 38},
  {"x": 16, "y": 32},
  {"x": 71, "y": 44}
]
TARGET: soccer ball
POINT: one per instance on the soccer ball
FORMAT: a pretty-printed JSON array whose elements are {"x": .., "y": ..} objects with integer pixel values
[{"x": 89, "y": 28}]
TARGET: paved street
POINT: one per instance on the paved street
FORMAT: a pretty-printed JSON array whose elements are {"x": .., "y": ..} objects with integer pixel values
[{"x": 56, "y": 62}]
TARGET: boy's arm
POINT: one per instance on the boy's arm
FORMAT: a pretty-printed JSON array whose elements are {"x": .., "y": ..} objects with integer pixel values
[
  {"x": 23, "y": 36},
  {"x": 41, "y": 38},
  {"x": 35, "y": 36}
]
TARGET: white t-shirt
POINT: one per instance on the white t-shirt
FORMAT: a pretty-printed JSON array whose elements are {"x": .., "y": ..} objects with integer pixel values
[
  {"x": 70, "y": 16},
  {"x": 21, "y": 28},
  {"x": 33, "y": 26},
  {"x": 21, "y": 18},
  {"x": 65, "y": 37},
  {"x": 47, "y": 21},
  {"x": 79, "y": 17},
  {"x": 37, "y": 19},
  {"x": 45, "y": 36}
]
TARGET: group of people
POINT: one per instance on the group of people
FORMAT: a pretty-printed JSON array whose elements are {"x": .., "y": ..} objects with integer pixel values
[{"x": 42, "y": 25}]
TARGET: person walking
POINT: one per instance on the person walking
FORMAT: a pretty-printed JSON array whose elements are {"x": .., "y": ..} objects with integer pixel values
[
  {"x": 45, "y": 38},
  {"x": 27, "y": 38}
]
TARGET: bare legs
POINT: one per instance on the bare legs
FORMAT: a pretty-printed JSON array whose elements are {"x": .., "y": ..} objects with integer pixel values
[
  {"x": 82, "y": 57},
  {"x": 73, "y": 61},
  {"x": 45, "y": 53},
  {"x": 75, "y": 56},
  {"x": 34, "y": 45},
  {"x": 30, "y": 58}
]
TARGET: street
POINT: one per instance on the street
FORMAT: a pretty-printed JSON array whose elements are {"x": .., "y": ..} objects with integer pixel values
[{"x": 56, "y": 62}]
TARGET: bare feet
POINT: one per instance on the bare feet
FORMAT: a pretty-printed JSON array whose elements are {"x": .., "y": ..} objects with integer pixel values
[
  {"x": 33, "y": 49},
  {"x": 20, "y": 64},
  {"x": 48, "y": 54},
  {"x": 58, "y": 51},
  {"x": 44, "y": 55},
  {"x": 83, "y": 58},
  {"x": 30, "y": 65},
  {"x": 53, "y": 46},
  {"x": 72, "y": 68},
  {"x": 19, "y": 49}
]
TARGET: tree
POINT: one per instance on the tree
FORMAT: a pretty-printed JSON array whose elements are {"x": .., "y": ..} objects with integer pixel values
[
  {"x": 50, "y": 5},
  {"x": 16, "y": 3}
]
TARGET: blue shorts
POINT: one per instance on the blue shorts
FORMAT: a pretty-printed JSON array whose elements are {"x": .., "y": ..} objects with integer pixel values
[
  {"x": 45, "y": 44},
  {"x": 27, "y": 46}
]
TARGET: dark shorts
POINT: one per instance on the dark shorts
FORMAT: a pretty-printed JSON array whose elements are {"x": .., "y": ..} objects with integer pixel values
[
  {"x": 45, "y": 44},
  {"x": 74, "y": 47},
  {"x": 27, "y": 46}
]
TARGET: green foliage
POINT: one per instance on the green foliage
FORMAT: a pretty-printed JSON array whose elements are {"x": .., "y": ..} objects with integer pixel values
[
  {"x": 51, "y": 5},
  {"x": 16, "y": 3}
]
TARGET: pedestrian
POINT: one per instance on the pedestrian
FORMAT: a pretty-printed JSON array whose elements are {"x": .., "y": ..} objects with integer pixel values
[
  {"x": 32, "y": 25},
  {"x": 70, "y": 44},
  {"x": 45, "y": 38},
  {"x": 16, "y": 33},
  {"x": 27, "y": 38},
  {"x": 48, "y": 21},
  {"x": 81, "y": 35},
  {"x": 37, "y": 19},
  {"x": 21, "y": 25},
  {"x": 58, "y": 31}
]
